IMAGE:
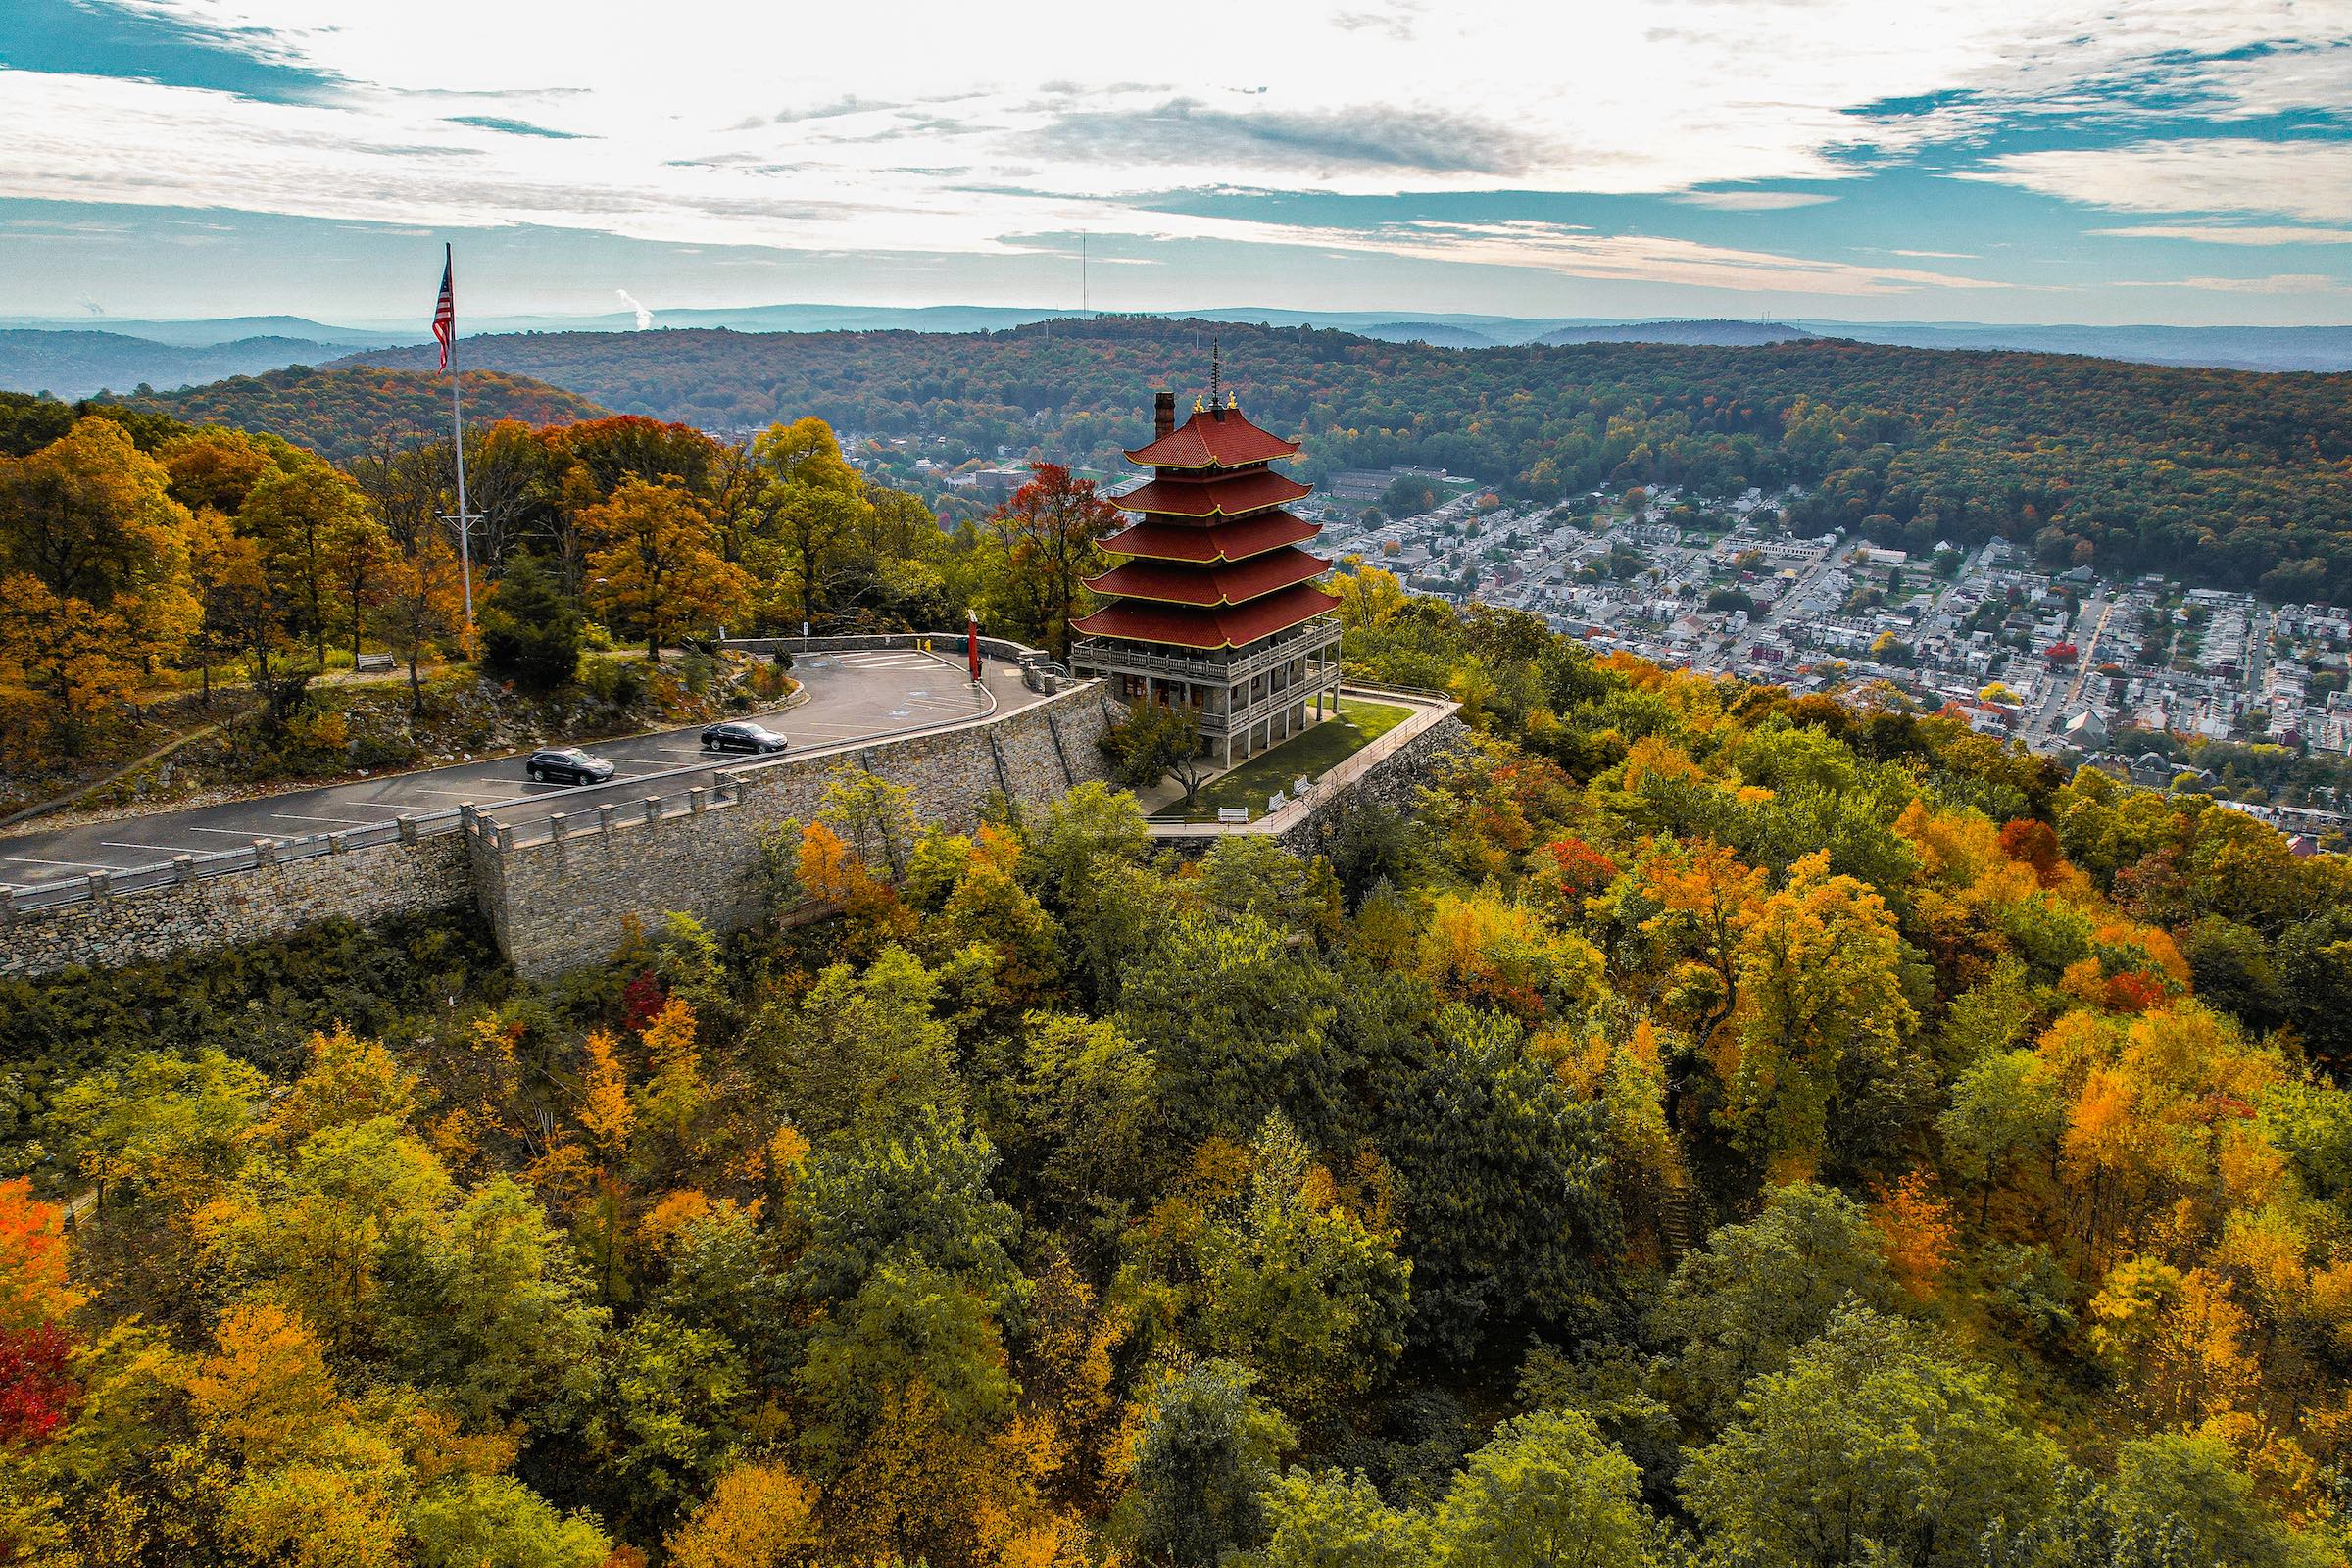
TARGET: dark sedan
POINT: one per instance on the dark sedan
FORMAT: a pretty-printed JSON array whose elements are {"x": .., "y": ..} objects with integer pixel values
[
  {"x": 738, "y": 736},
  {"x": 567, "y": 764}
]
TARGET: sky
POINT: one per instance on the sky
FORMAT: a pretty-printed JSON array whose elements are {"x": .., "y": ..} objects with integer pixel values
[{"x": 2018, "y": 160}]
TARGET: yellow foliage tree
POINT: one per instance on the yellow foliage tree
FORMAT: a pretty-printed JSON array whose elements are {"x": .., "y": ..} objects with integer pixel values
[
  {"x": 1821, "y": 997},
  {"x": 757, "y": 1516}
]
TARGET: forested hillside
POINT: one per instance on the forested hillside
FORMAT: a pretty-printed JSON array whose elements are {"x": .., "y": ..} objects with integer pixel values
[
  {"x": 1709, "y": 1127},
  {"x": 344, "y": 413},
  {"x": 2227, "y": 478}
]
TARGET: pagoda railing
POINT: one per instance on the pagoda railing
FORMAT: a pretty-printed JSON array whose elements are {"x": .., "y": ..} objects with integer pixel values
[{"x": 1125, "y": 657}]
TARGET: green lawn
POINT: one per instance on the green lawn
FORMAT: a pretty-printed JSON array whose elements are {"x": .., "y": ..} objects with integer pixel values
[{"x": 1313, "y": 753}]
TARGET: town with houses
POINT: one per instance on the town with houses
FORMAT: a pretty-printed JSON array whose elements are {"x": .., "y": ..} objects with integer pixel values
[{"x": 2145, "y": 678}]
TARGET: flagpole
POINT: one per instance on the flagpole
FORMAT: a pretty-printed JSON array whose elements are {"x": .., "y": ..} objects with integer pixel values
[{"x": 456, "y": 435}]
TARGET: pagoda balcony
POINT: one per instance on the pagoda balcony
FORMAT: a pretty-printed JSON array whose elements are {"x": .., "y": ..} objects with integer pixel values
[{"x": 1223, "y": 668}]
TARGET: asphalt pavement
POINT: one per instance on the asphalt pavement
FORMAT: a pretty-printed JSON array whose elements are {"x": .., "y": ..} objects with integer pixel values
[{"x": 862, "y": 695}]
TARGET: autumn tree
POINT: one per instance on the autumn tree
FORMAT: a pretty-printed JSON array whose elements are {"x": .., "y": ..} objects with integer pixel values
[
  {"x": 356, "y": 555},
  {"x": 310, "y": 524},
  {"x": 1823, "y": 1007},
  {"x": 1047, "y": 536},
  {"x": 655, "y": 563},
  {"x": 810, "y": 502},
  {"x": 421, "y": 602},
  {"x": 1299, "y": 1288},
  {"x": 757, "y": 1516},
  {"x": 94, "y": 573}
]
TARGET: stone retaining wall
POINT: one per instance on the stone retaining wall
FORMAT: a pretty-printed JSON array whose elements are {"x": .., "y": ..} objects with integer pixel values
[
  {"x": 366, "y": 885},
  {"x": 1391, "y": 771},
  {"x": 1396, "y": 780},
  {"x": 557, "y": 904},
  {"x": 560, "y": 903}
]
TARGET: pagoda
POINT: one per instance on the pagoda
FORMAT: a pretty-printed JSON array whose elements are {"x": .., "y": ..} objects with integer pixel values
[{"x": 1213, "y": 604}]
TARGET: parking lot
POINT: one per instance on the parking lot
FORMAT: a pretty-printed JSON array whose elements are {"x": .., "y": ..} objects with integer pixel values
[{"x": 854, "y": 696}]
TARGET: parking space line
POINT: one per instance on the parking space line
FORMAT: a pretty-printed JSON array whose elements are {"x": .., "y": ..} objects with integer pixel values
[
  {"x": 86, "y": 865},
  {"x": 168, "y": 849},
  {"x": 245, "y": 833},
  {"x": 339, "y": 821}
]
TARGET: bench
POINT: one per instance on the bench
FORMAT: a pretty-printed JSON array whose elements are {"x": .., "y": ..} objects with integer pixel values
[{"x": 374, "y": 664}]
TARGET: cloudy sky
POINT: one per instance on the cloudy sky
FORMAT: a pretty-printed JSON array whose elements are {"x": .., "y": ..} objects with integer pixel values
[{"x": 2183, "y": 160}]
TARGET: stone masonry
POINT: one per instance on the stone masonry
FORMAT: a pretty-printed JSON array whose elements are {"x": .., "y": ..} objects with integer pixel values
[
  {"x": 566, "y": 902},
  {"x": 366, "y": 885}
]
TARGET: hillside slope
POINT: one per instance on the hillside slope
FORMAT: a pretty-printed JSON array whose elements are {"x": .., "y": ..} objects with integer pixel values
[
  {"x": 346, "y": 411},
  {"x": 2230, "y": 478}
]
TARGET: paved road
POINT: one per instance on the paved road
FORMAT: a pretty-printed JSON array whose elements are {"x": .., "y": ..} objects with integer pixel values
[{"x": 856, "y": 696}]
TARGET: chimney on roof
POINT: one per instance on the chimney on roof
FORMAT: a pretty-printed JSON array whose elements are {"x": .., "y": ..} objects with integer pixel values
[{"x": 1164, "y": 415}]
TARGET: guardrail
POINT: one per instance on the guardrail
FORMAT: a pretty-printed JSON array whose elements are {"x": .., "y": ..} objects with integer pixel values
[{"x": 408, "y": 828}]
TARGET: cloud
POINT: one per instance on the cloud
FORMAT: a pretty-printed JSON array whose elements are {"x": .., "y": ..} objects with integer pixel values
[
  {"x": 1183, "y": 130},
  {"x": 2307, "y": 180},
  {"x": 2274, "y": 283},
  {"x": 1752, "y": 201},
  {"x": 2263, "y": 234},
  {"x": 1940, "y": 256},
  {"x": 1633, "y": 258}
]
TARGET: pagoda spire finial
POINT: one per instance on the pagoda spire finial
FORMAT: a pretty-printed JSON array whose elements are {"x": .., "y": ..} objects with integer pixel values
[{"x": 1216, "y": 371}]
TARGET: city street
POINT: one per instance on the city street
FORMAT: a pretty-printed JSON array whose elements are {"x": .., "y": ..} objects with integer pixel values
[{"x": 856, "y": 696}]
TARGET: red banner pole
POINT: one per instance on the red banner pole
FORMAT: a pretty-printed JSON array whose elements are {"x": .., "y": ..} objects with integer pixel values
[{"x": 973, "y": 644}]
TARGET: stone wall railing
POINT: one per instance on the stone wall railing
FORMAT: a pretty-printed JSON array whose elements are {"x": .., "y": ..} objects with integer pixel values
[{"x": 260, "y": 854}]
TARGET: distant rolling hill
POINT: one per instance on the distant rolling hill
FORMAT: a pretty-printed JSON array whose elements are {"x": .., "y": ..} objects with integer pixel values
[
  {"x": 306, "y": 341},
  {"x": 2227, "y": 348},
  {"x": 78, "y": 364},
  {"x": 1436, "y": 334},
  {"x": 211, "y": 331},
  {"x": 1705, "y": 334},
  {"x": 345, "y": 412}
]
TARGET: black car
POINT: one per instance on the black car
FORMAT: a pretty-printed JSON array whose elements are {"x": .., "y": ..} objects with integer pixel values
[
  {"x": 567, "y": 764},
  {"x": 738, "y": 736}
]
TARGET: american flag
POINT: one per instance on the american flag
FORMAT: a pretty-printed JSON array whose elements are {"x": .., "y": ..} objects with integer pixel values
[{"x": 445, "y": 314}]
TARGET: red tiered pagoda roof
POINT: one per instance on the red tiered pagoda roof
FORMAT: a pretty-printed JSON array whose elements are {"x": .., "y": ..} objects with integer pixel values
[
  {"x": 1214, "y": 438},
  {"x": 1229, "y": 494},
  {"x": 1235, "y": 541},
  {"x": 1185, "y": 626},
  {"x": 1213, "y": 560}
]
